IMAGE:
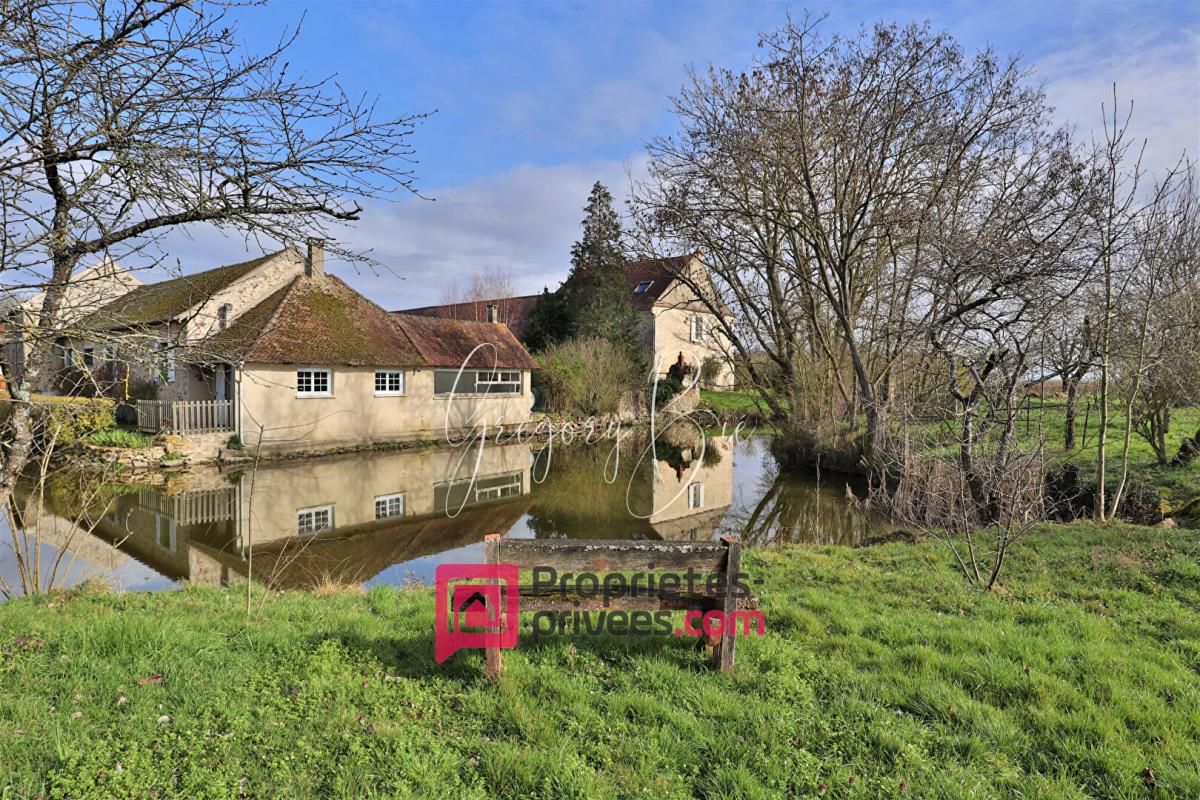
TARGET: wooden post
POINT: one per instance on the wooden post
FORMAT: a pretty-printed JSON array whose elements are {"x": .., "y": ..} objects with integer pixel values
[
  {"x": 733, "y": 565},
  {"x": 494, "y": 663}
]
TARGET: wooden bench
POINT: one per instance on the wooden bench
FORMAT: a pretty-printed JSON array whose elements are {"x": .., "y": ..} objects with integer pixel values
[{"x": 722, "y": 558}]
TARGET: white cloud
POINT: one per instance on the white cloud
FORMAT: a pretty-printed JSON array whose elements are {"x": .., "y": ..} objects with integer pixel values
[
  {"x": 1161, "y": 78},
  {"x": 524, "y": 219}
]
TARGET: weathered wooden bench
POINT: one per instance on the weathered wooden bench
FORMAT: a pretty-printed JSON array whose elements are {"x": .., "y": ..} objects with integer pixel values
[{"x": 721, "y": 558}]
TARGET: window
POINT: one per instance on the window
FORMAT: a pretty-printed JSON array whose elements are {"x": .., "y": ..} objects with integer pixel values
[
  {"x": 452, "y": 496},
  {"x": 473, "y": 381},
  {"x": 89, "y": 357},
  {"x": 314, "y": 383},
  {"x": 314, "y": 520},
  {"x": 695, "y": 496},
  {"x": 166, "y": 532},
  {"x": 389, "y": 505},
  {"x": 389, "y": 383},
  {"x": 70, "y": 357},
  {"x": 642, "y": 287},
  {"x": 223, "y": 316},
  {"x": 696, "y": 329},
  {"x": 110, "y": 354},
  {"x": 166, "y": 362}
]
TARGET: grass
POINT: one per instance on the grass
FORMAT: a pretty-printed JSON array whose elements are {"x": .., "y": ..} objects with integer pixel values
[
  {"x": 881, "y": 675},
  {"x": 1179, "y": 484},
  {"x": 119, "y": 437},
  {"x": 735, "y": 402}
]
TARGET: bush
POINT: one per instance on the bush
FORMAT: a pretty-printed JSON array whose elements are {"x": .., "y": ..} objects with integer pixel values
[
  {"x": 585, "y": 376},
  {"x": 69, "y": 419},
  {"x": 662, "y": 393},
  {"x": 710, "y": 370},
  {"x": 234, "y": 443},
  {"x": 119, "y": 437}
]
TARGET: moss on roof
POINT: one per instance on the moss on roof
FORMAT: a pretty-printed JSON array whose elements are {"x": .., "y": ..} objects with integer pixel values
[
  {"x": 235, "y": 341},
  {"x": 167, "y": 300},
  {"x": 317, "y": 321}
]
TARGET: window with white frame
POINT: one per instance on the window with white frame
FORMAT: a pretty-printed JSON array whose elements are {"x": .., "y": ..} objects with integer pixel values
[
  {"x": 89, "y": 356},
  {"x": 389, "y": 505},
  {"x": 389, "y": 383},
  {"x": 473, "y": 381},
  {"x": 314, "y": 520},
  {"x": 695, "y": 496},
  {"x": 314, "y": 383},
  {"x": 696, "y": 329},
  {"x": 642, "y": 287}
]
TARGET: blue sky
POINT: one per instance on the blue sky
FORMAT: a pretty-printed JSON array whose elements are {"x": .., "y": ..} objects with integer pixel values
[{"x": 535, "y": 101}]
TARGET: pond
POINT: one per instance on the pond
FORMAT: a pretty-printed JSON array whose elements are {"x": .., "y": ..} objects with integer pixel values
[{"x": 390, "y": 518}]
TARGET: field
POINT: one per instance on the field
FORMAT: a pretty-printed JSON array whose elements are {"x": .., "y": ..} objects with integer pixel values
[{"x": 881, "y": 675}]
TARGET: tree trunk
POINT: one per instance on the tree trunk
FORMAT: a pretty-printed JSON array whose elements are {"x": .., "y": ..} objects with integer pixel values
[{"x": 1072, "y": 387}]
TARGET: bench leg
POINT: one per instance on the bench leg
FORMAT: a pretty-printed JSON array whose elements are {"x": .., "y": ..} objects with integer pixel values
[
  {"x": 493, "y": 661},
  {"x": 728, "y": 645}
]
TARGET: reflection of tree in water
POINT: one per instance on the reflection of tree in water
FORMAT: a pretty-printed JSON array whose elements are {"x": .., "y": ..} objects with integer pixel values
[
  {"x": 797, "y": 507},
  {"x": 580, "y": 499}
]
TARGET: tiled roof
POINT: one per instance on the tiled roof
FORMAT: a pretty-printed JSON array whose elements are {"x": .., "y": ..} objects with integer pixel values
[
  {"x": 323, "y": 321},
  {"x": 448, "y": 342},
  {"x": 167, "y": 300},
  {"x": 320, "y": 321},
  {"x": 513, "y": 311},
  {"x": 660, "y": 272}
]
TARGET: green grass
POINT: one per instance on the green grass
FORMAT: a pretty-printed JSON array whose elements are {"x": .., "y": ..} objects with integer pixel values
[
  {"x": 881, "y": 675},
  {"x": 119, "y": 437},
  {"x": 1179, "y": 484},
  {"x": 737, "y": 402}
]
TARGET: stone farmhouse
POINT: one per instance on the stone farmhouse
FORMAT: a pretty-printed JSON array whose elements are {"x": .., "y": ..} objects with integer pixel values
[{"x": 285, "y": 356}]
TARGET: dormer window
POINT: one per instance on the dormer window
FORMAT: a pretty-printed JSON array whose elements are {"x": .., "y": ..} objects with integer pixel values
[{"x": 642, "y": 287}]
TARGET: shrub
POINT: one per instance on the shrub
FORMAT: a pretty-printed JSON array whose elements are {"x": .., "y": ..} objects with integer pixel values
[
  {"x": 585, "y": 376},
  {"x": 710, "y": 369},
  {"x": 662, "y": 393},
  {"x": 234, "y": 443},
  {"x": 69, "y": 419},
  {"x": 119, "y": 437}
]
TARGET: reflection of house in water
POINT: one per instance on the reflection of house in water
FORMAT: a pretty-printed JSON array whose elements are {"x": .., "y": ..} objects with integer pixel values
[
  {"x": 667, "y": 493},
  {"x": 691, "y": 497},
  {"x": 305, "y": 522}
]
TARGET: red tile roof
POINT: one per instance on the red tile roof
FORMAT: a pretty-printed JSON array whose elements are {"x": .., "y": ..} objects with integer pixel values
[
  {"x": 512, "y": 311},
  {"x": 449, "y": 342},
  {"x": 315, "y": 321}
]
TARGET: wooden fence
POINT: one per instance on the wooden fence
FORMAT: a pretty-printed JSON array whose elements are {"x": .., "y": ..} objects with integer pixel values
[{"x": 184, "y": 417}]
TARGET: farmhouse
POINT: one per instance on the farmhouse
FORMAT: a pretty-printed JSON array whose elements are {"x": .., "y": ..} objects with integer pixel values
[{"x": 285, "y": 356}]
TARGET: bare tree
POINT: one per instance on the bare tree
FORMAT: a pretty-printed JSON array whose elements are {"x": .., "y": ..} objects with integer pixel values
[
  {"x": 490, "y": 286},
  {"x": 123, "y": 121},
  {"x": 856, "y": 197}
]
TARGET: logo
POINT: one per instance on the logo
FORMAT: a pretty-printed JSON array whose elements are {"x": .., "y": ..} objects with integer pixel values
[{"x": 476, "y": 607}]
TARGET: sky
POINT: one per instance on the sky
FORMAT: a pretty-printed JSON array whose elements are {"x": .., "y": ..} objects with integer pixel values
[{"x": 535, "y": 101}]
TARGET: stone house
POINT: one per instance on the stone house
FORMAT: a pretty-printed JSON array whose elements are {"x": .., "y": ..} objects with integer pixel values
[
  {"x": 89, "y": 289},
  {"x": 286, "y": 356}
]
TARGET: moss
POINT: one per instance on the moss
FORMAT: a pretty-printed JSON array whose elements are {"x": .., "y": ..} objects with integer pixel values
[{"x": 158, "y": 302}]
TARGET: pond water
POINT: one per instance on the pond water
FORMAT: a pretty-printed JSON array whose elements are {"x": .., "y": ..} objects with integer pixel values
[{"x": 390, "y": 518}]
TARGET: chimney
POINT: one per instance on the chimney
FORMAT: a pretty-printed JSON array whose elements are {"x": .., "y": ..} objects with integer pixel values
[
  {"x": 493, "y": 313},
  {"x": 314, "y": 263}
]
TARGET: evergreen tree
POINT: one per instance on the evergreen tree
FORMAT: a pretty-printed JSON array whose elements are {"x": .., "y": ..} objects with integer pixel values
[
  {"x": 549, "y": 321},
  {"x": 595, "y": 292}
]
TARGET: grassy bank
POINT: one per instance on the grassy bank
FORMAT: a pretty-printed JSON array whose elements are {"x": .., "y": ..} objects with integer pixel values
[{"x": 881, "y": 675}]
